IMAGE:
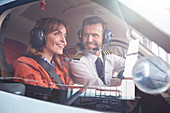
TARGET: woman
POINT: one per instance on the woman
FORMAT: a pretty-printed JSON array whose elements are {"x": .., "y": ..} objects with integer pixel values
[{"x": 47, "y": 40}]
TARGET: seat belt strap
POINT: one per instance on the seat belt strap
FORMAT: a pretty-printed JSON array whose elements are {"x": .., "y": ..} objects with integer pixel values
[{"x": 51, "y": 72}]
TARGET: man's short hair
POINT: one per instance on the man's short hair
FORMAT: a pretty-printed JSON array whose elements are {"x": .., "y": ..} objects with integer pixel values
[{"x": 94, "y": 20}]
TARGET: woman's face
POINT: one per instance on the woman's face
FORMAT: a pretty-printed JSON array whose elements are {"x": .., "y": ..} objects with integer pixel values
[{"x": 56, "y": 41}]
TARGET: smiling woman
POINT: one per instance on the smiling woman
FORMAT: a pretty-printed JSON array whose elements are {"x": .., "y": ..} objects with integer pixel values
[{"x": 46, "y": 44}]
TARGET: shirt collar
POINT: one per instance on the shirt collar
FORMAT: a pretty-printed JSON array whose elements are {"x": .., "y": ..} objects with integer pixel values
[
  {"x": 52, "y": 64},
  {"x": 92, "y": 56}
]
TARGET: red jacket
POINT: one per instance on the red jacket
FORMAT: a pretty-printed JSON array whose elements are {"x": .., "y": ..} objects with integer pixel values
[{"x": 30, "y": 72}]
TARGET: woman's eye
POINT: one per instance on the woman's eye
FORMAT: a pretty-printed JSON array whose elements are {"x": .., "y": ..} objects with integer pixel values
[
  {"x": 57, "y": 33},
  {"x": 65, "y": 36}
]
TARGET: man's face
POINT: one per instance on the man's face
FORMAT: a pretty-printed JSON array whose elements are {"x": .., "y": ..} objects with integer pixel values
[{"x": 92, "y": 36}]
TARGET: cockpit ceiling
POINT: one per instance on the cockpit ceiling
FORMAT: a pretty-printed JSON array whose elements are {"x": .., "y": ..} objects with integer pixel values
[
  {"x": 63, "y": 8},
  {"x": 72, "y": 12}
]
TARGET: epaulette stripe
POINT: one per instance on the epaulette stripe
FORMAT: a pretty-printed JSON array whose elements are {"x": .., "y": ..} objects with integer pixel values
[
  {"x": 106, "y": 52},
  {"x": 78, "y": 56}
]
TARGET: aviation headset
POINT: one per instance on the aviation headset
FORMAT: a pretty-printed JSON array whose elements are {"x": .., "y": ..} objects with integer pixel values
[
  {"x": 107, "y": 34},
  {"x": 37, "y": 36}
]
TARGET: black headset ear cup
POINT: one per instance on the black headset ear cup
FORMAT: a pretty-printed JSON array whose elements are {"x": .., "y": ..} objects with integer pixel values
[
  {"x": 107, "y": 36},
  {"x": 37, "y": 37},
  {"x": 80, "y": 35}
]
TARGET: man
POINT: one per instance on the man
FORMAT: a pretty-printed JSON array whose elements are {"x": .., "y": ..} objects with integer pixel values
[{"x": 84, "y": 66}]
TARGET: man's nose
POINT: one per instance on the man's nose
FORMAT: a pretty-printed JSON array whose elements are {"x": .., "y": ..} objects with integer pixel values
[{"x": 90, "y": 38}]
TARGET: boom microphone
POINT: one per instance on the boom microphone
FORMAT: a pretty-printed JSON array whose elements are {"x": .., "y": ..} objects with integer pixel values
[
  {"x": 95, "y": 49},
  {"x": 66, "y": 59},
  {"x": 101, "y": 47}
]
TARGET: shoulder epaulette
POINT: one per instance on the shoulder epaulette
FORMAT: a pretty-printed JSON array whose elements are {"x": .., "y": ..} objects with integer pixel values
[
  {"x": 78, "y": 56},
  {"x": 106, "y": 52}
]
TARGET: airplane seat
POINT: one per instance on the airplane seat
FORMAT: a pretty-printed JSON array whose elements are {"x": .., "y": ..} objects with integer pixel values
[{"x": 12, "y": 50}]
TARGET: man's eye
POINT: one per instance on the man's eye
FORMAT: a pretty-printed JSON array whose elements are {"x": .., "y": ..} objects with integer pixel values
[
  {"x": 86, "y": 35},
  {"x": 94, "y": 35}
]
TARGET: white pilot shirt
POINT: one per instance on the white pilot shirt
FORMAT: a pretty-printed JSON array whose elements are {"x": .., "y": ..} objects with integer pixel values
[{"x": 84, "y": 70}]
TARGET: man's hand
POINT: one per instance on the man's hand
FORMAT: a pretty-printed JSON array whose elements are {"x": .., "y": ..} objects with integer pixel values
[
  {"x": 120, "y": 75},
  {"x": 116, "y": 82}
]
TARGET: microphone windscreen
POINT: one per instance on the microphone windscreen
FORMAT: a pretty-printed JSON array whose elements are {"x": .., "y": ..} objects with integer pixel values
[
  {"x": 95, "y": 49},
  {"x": 66, "y": 59}
]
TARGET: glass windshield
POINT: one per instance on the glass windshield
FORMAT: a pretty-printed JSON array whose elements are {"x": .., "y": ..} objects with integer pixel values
[
  {"x": 157, "y": 12},
  {"x": 3, "y": 2},
  {"x": 64, "y": 69}
]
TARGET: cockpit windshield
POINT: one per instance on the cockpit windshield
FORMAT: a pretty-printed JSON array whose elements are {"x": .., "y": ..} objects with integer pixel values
[{"x": 82, "y": 53}]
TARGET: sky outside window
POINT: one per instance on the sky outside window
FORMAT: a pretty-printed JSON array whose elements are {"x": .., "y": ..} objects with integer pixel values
[{"x": 155, "y": 11}]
